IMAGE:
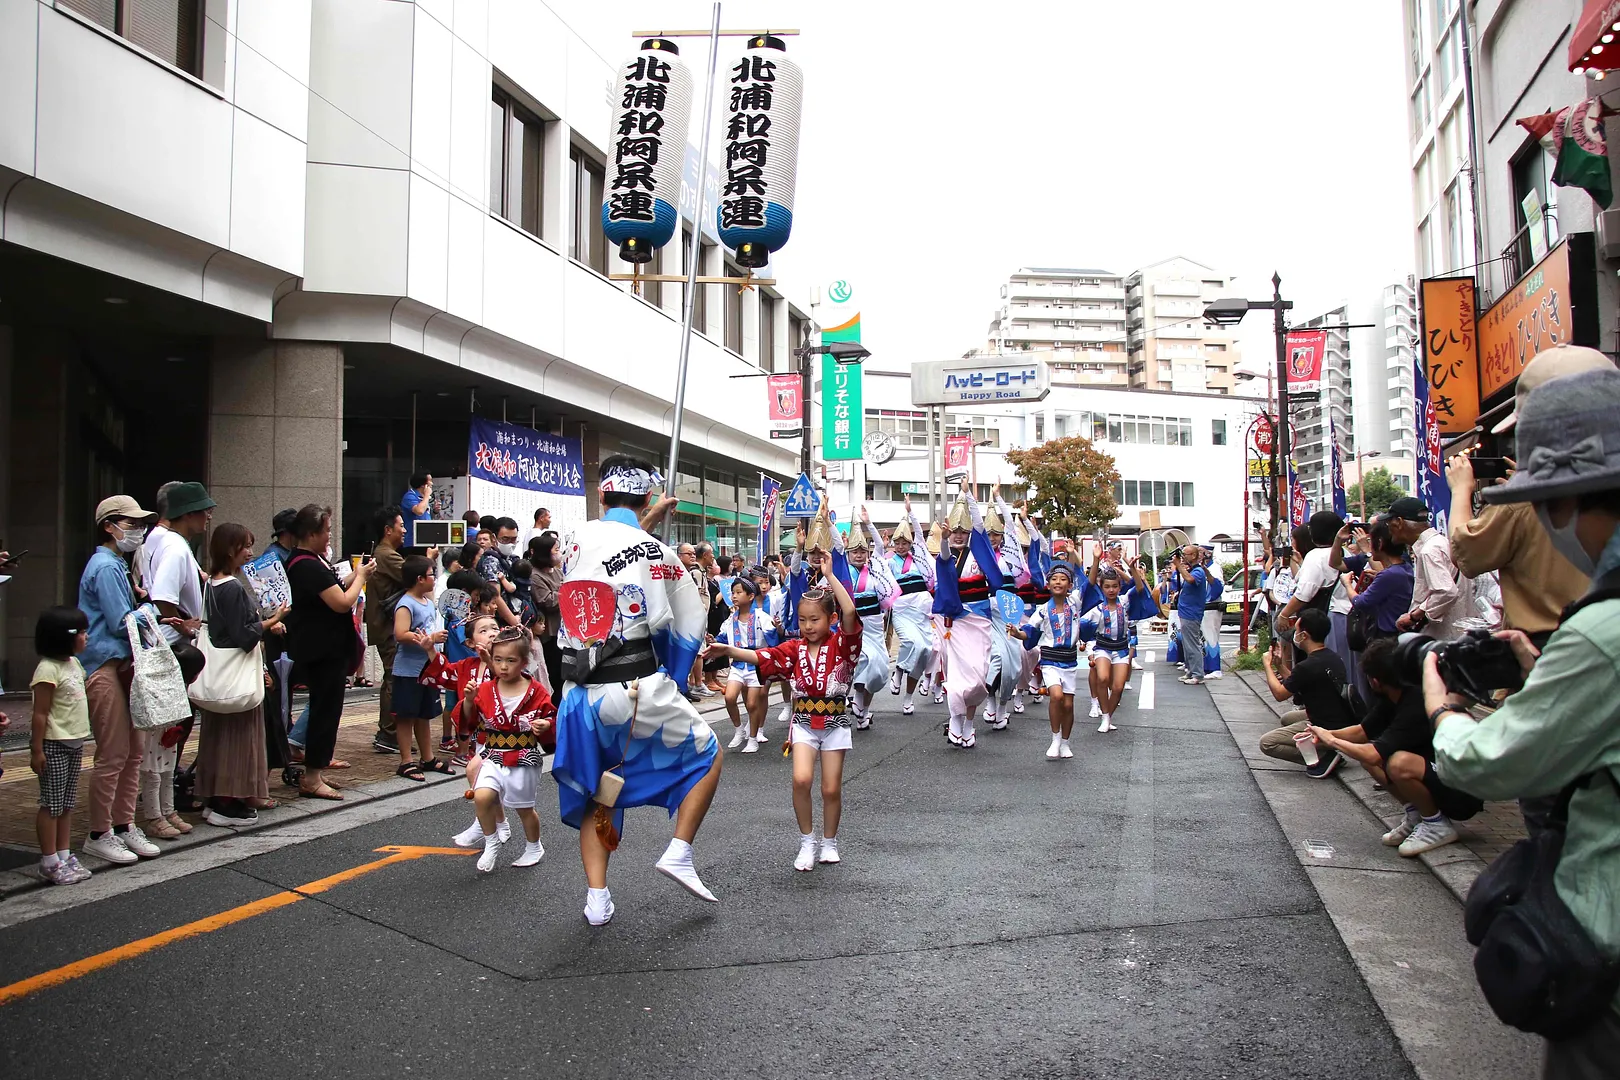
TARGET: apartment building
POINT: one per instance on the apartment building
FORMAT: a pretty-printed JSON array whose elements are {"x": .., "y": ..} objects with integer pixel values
[
  {"x": 1169, "y": 346},
  {"x": 1077, "y": 317}
]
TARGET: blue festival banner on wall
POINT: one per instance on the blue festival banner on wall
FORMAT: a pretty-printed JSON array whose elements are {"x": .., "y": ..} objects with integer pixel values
[
  {"x": 511, "y": 467},
  {"x": 1431, "y": 484},
  {"x": 1340, "y": 501},
  {"x": 769, "y": 491}
]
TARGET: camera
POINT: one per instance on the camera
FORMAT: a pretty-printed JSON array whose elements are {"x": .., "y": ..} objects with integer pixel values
[{"x": 1476, "y": 665}]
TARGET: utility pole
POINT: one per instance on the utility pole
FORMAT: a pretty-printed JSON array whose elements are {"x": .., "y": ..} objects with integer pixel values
[{"x": 1282, "y": 492}]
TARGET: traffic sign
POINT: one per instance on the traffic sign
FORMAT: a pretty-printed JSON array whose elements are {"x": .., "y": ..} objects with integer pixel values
[{"x": 804, "y": 501}]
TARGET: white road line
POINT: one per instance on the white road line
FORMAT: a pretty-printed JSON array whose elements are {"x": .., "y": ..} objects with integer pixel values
[
  {"x": 1147, "y": 657},
  {"x": 1144, "y": 696}
]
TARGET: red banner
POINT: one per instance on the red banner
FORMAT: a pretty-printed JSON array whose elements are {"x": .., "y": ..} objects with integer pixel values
[
  {"x": 785, "y": 406},
  {"x": 1305, "y": 351},
  {"x": 957, "y": 449}
]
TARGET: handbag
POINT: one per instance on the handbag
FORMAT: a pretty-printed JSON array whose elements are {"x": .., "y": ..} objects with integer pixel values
[
  {"x": 1359, "y": 628},
  {"x": 157, "y": 690},
  {"x": 232, "y": 680}
]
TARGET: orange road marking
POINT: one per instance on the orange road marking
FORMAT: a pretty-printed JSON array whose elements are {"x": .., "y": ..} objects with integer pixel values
[{"x": 79, "y": 968}]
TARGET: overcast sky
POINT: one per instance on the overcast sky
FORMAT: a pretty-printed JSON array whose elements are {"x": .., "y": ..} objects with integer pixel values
[{"x": 945, "y": 145}]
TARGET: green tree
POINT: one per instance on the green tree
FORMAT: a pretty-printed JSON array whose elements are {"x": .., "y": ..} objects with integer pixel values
[
  {"x": 1382, "y": 490},
  {"x": 1073, "y": 485}
]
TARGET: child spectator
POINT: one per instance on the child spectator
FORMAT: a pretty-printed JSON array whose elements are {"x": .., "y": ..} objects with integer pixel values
[
  {"x": 61, "y": 725},
  {"x": 416, "y": 705}
]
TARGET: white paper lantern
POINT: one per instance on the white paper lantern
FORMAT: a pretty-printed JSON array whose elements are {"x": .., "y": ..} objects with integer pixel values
[
  {"x": 764, "y": 93},
  {"x": 652, "y": 100}
]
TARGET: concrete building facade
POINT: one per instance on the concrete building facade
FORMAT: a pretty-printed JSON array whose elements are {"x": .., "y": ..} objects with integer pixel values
[
  {"x": 1170, "y": 347},
  {"x": 1076, "y": 315}
]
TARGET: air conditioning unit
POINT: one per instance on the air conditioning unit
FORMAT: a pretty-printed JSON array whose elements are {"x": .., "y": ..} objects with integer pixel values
[{"x": 1608, "y": 233}]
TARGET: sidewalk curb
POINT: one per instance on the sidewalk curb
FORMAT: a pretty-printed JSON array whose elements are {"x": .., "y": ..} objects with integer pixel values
[{"x": 1455, "y": 865}]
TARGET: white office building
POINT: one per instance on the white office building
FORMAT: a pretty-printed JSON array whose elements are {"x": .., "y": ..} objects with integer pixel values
[
  {"x": 1077, "y": 315},
  {"x": 288, "y": 247}
]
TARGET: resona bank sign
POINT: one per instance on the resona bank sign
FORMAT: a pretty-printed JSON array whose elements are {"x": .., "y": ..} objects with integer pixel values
[{"x": 978, "y": 381}]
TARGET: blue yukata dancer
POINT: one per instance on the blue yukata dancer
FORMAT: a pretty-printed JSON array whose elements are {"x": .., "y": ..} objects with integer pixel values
[
  {"x": 911, "y": 612},
  {"x": 1108, "y": 624},
  {"x": 621, "y": 711},
  {"x": 1031, "y": 588},
  {"x": 749, "y": 627},
  {"x": 1006, "y": 672},
  {"x": 873, "y": 590}
]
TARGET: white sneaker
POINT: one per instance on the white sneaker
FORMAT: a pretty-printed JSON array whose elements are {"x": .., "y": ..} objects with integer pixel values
[
  {"x": 752, "y": 747},
  {"x": 136, "y": 841},
  {"x": 1427, "y": 836},
  {"x": 109, "y": 848},
  {"x": 1096, "y": 708},
  {"x": 79, "y": 872},
  {"x": 1214, "y": 674},
  {"x": 1052, "y": 751},
  {"x": 1064, "y": 751},
  {"x": 503, "y": 831},
  {"x": 486, "y": 861},
  {"x": 532, "y": 853},
  {"x": 598, "y": 906},
  {"x": 829, "y": 851},
  {"x": 677, "y": 866},
  {"x": 1396, "y": 836},
  {"x": 737, "y": 739},
  {"x": 470, "y": 837},
  {"x": 806, "y": 859}
]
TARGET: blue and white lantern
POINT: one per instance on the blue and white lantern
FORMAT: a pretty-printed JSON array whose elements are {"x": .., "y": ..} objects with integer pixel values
[
  {"x": 755, "y": 213},
  {"x": 646, "y": 149}
]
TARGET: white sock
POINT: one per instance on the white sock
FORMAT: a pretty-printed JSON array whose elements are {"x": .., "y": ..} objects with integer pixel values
[
  {"x": 1056, "y": 739},
  {"x": 1063, "y": 742},
  {"x": 48, "y": 862},
  {"x": 678, "y": 851},
  {"x": 1108, "y": 718},
  {"x": 62, "y": 856},
  {"x": 491, "y": 840}
]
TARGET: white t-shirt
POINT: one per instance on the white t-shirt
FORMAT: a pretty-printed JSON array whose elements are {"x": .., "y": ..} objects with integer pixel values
[
  {"x": 1314, "y": 574},
  {"x": 171, "y": 574}
]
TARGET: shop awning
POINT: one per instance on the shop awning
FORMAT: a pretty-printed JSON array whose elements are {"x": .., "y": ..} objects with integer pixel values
[{"x": 1593, "y": 47}]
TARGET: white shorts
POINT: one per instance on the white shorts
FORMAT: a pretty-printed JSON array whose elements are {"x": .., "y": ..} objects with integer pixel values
[
  {"x": 1054, "y": 677},
  {"x": 1118, "y": 656},
  {"x": 514, "y": 784},
  {"x": 749, "y": 679},
  {"x": 829, "y": 738}
]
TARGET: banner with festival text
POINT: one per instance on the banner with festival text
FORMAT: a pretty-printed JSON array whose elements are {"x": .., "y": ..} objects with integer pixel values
[{"x": 514, "y": 471}]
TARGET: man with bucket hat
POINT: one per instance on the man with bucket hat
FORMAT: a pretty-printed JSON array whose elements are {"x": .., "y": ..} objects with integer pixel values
[{"x": 1560, "y": 734}]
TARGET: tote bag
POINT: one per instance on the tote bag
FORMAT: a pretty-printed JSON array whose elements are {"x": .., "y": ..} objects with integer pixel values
[
  {"x": 157, "y": 690},
  {"x": 232, "y": 681}
]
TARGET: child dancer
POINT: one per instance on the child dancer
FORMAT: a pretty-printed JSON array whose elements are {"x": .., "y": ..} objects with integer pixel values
[
  {"x": 1110, "y": 622},
  {"x": 747, "y": 627},
  {"x": 911, "y": 608},
  {"x": 820, "y": 665},
  {"x": 773, "y": 602},
  {"x": 461, "y": 680},
  {"x": 1055, "y": 629},
  {"x": 966, "y": 573},
  {"x": 61, "y": 724},
  {"x": 874, "y": 592},
  {"x": 515, "y": 713}
]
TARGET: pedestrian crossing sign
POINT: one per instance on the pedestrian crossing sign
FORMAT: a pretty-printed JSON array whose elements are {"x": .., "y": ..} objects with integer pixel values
[{"x": 804, "y": 501}]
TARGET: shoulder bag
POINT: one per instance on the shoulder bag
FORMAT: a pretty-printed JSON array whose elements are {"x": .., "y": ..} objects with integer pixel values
[
  {"x": 157, "y": 690},
  {"x": 1536, "y": 964},
  {"x": 232, "y": 680}
]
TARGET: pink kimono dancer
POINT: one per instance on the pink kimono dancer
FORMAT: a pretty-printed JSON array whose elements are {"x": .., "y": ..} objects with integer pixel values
[{"x": 967, "y": 652}]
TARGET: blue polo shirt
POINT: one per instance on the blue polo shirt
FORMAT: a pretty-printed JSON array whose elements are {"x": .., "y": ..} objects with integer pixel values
[
  {"x": 1190, "y": 602},
  {"x": 409, "y": 502}
]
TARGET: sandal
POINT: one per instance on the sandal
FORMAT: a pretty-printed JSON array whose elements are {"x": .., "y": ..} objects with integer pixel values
[
  {"x": 160, "y": 828},
  {"x": 337, "y": 763},
  {"x": 322, "y": 792},
  {"x": 410, "y": 771},
  {"x": 263, "y": 804},
  {"x": 436, "y": 765}
]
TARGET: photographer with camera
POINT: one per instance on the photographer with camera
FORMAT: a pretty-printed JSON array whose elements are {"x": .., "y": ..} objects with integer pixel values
[
  {"x": 1559, "y": 735},
  {"x": 1439, "y": 598}
]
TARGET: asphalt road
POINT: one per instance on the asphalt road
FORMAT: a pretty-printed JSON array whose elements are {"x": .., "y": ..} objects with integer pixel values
[{"x": 1134, "y": 912}]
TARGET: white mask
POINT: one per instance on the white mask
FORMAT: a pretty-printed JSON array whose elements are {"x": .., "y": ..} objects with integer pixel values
[
  {"x": 129, "y": 539},
  {"x": 1565, "y": 542},
  {"x": 508, "y": 550}
]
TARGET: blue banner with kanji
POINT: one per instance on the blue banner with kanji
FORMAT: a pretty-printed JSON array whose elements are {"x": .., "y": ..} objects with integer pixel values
[
  {"x": 1431, "y": 483},
  {"x": 521, "y": 457},
  {"x": 769, "y": 492},
  {"x": 1340, "y": 502}
]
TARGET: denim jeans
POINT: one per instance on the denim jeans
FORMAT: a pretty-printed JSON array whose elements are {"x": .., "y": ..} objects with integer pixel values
[{"x": 299, "y": 729}]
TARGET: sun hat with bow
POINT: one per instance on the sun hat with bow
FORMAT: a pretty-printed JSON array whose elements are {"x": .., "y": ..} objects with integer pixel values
[{"x": 1568, "y": 439}]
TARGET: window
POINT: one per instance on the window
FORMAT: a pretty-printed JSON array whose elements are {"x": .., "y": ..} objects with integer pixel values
[
  {"x": 1153, "y": 493},
  {"x": 1530, "y": 171},
  {"x": 589, "y": 245},
  {"x": 767, "y": 332},
  {"x": 883, "y": 491},
  {"x": 170, "y": 30},
  {"x": 515, "y": 140},
  {"x": 731, "y": 301},
  {"x": 1040, "y": 427},
  {"x": 1217, "y": 432}
]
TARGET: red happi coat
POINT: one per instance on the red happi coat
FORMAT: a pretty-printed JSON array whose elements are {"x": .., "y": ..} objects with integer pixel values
[
  {"x": 826, "y": 678},
  {"x": 497, "y": 727}
]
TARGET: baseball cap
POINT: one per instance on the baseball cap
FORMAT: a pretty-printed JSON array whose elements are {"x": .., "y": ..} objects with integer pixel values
[
  {"x": 1409, "y": 508},
  {"x": 122, "y": 506},
  {"x": 1548, "y": 364},
  {"x": 283, "y": 521}
]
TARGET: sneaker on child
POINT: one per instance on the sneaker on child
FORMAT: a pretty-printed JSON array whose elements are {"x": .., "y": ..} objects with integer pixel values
[{"x": 1430, "y": 833}]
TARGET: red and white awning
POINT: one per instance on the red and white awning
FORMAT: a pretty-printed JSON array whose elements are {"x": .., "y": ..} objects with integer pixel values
[{"x": 1594, "y": 49}]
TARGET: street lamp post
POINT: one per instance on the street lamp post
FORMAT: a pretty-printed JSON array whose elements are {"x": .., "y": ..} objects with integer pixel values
[
  {"x": 1361, "y": 478},
  {"x": 844, "y": 352}
]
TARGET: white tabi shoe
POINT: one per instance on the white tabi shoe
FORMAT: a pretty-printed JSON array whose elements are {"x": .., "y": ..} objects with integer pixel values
[
  {"x": 532, "y": 854},
  {"x": 737, "y": 739},
  {"x": 1064, "y": 751},
  {"x": 598, "y": 907},
  {"x": 676, "y": 864},
  {"x": 470, "y": 837},
  {"x": 806, "y": 859},
  {"x": 829, "y": 851},
  {"x": 492, "y": 848}
]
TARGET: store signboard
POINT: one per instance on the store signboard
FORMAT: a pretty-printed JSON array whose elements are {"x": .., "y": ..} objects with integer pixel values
[
  {"x": 1555, "y": 303},
  {"x": 1451, "y": 351},
  {"x": 988, "y": 380}
]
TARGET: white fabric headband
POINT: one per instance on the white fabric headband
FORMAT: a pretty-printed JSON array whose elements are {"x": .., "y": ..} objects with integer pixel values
[{"x": 629, "y": 481}]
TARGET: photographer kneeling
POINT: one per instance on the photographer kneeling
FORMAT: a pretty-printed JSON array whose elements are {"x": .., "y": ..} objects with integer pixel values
[{"x": 1560, "y": 734}]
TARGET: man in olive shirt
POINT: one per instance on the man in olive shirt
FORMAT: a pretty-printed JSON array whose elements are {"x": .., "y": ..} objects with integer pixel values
[
  {"x": 386, "y": 582},
  {"x": 1563, "y": 728}
]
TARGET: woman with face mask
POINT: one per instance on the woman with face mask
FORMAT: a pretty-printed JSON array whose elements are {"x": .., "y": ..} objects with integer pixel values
[{"x": 106, "y": 596}]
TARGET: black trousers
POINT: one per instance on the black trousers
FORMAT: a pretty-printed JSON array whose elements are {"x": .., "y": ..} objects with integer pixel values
[{"x": 325, "y": 679}]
